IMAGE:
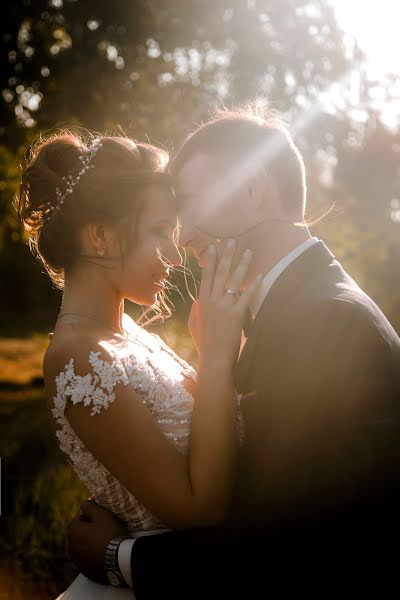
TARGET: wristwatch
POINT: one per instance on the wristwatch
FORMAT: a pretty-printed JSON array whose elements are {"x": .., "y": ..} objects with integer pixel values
[{"x": 111, "y": 567}]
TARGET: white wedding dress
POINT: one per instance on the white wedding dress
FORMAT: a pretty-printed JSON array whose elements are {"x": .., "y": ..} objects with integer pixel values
[{"x": 156, "y": 373}]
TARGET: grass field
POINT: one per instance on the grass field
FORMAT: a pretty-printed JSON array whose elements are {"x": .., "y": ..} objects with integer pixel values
[{"x": 21, "y": 359}]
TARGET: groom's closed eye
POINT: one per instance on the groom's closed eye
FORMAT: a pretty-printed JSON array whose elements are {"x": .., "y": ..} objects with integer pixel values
[
  {"x": 189, "y": 201},
  {"x": 182, "y": 197}
]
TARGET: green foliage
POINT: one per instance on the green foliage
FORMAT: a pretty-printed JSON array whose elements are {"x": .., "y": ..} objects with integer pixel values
[
  {"x": 41, "y": 493},
  {"x": 9, "y": 181},
  {"x": 41, "y": 513},
  {"x": 153, "y": 69}
]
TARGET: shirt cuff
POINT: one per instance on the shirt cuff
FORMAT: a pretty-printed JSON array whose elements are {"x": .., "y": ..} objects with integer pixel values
[{"x": 124, "y": 560}]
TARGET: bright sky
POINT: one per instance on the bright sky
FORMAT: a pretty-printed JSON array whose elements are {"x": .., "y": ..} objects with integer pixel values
[{"x": 376, "y": 25}]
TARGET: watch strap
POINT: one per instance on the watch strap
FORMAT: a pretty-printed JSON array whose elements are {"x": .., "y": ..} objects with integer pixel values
[{"x": 111, "y": 565}]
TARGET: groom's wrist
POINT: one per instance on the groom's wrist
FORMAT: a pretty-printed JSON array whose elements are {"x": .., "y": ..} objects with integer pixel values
[{"x": 111, "y": 563}]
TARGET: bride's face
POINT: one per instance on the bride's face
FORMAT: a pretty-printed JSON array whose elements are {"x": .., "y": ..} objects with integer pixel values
[{"x": 154, "y": 248}]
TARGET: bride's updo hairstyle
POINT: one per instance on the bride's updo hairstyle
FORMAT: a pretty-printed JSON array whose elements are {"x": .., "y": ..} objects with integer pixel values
[{"x": 56, "y": 197}]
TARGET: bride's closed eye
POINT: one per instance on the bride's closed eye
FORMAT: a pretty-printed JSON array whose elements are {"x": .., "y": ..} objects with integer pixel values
[
  {"x": 166, "y": 236},
  {"x": 164, "y": 229},
  {"x": 168, "y": 233}
]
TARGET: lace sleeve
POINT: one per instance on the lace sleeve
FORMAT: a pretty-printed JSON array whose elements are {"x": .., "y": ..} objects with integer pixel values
[{"x": 95, "y": 389}]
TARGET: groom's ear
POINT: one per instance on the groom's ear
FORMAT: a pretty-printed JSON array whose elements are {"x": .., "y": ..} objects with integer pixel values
[
  {"x": 255, "y": 202},
  {"x": 257, "y": 186},
  {"x": 267, "y": 191},
  {"x": 259, "y": 192}
]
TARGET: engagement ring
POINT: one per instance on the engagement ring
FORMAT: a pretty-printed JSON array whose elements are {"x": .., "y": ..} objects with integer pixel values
[{"x": 228, "y": 291}]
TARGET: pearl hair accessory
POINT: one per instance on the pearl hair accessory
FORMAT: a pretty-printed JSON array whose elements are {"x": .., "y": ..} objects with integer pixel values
[{"x": 70, "y": 181}]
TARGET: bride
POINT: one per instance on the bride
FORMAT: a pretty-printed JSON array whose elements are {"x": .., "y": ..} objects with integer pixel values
[{"x": 152, "y": 441}]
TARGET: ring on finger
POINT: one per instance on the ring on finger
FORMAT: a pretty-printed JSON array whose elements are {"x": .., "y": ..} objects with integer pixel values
[{"x": 231, "y": 292}]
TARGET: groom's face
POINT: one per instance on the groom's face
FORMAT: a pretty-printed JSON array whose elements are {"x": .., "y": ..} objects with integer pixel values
[{"x": 210, "y": 211}]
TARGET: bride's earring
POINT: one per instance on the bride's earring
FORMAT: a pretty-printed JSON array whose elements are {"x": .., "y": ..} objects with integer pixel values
[{"x": 101, "y": 252}]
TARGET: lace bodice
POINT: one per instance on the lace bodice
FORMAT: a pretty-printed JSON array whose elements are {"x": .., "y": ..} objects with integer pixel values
[{"x": 157, "y": 374}]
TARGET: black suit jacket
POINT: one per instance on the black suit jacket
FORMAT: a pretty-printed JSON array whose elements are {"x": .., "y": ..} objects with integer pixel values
[{"x": 318, "y": 480}]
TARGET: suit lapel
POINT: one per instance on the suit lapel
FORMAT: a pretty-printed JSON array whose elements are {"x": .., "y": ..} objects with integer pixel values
[{"x": 280, "y": 299}]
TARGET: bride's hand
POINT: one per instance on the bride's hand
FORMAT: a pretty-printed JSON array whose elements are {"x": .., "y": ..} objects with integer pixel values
[{"x": 216, "y": 319}]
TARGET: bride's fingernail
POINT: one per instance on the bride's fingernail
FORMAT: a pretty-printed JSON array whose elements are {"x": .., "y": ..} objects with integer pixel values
[
  {"x": 230, "y": 244},
  {"x": 247, "y": 253}
]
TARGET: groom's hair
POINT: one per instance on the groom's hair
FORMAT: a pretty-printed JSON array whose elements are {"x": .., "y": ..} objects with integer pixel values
[{"x": 248, "y": 135}]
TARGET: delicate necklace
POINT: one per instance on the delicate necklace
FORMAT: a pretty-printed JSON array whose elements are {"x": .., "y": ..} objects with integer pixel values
[
  {"x": 126, "y": 336},
  {"x": 163, "y": 347}
]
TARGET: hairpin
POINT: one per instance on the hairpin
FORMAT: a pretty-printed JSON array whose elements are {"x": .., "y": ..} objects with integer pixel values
[{"x": 70, "y": 181}]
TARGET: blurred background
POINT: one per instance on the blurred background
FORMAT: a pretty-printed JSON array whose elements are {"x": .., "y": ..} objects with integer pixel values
[{"x": 153, "y": 69}]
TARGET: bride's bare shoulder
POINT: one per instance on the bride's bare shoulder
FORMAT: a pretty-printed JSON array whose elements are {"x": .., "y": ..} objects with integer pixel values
[{"x": 67, "y": 345}]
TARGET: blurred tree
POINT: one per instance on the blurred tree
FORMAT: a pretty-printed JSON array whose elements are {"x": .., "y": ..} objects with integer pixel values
[{"x": 153, "y": 68}]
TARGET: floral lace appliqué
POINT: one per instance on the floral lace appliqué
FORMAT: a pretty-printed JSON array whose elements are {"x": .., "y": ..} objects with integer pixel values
[{"x": 157, "y": 375}]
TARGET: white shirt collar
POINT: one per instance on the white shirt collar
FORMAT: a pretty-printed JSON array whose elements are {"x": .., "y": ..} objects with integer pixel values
[{"x": 276, "y": 271}]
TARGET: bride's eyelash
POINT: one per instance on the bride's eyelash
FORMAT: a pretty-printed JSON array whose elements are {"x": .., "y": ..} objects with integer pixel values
[{"x": 165, "y": 231}]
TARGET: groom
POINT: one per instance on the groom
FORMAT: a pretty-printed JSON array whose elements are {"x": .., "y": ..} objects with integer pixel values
[{"x": 317, "y": 491}]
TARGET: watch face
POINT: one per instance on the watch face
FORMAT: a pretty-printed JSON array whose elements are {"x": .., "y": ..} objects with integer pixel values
[{"x": 113, "y": 578}]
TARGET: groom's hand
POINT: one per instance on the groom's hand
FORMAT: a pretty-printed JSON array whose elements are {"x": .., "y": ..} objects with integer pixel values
[{"x": 88, "y": 536}]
